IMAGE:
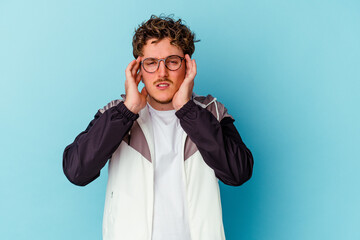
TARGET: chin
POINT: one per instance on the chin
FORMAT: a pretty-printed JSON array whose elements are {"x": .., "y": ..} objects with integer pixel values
[{"x": 163, "y": 101}]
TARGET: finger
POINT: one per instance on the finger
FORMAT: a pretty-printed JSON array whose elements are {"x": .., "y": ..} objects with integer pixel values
[
  {"x": 138, "y": 78},
  {"x": 194, "y": 67},
  {"x": 188, "y": 63},
  {"x": 192, "y": 71},
  {"x": 136, "y": 67},
  {"x": 129, "y": 68},
  {"x": 131, "y": 65}
]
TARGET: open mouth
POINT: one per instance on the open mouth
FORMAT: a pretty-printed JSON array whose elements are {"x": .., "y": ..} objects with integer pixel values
[{"x": 162, "y": 85}]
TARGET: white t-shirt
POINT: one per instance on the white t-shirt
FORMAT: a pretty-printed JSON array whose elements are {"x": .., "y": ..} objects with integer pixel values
[{"x": 170, "y": 220}]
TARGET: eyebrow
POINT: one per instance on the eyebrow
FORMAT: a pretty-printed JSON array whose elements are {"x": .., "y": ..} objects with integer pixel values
[{"x": 162, "y": 58}]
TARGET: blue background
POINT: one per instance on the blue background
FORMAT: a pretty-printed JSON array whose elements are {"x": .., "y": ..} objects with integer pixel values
[{"x": 288, "y": 71}]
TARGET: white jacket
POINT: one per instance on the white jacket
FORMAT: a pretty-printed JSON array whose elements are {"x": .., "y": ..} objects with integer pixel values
[
  {"x": 213, "y": 150},
  {"x": 128, "y": 212}
]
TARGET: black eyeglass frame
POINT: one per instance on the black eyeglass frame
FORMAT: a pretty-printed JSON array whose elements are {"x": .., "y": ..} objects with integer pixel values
[{"x": 164, "y": 60}]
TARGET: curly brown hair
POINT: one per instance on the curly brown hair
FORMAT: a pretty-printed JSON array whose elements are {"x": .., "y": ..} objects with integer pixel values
[{"x": 164, "y": 27}]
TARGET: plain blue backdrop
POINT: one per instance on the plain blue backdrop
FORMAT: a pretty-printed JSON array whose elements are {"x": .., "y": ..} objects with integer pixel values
[{"x": 288, "y": 71}]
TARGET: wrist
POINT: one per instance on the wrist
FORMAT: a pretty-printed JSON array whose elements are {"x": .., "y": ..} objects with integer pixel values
[
  {"x": 131, "y": 107},
  {"x": 185, "y": 109},
  {"x": 178, "y": 105},
  {"x": 121, "y": 107}
]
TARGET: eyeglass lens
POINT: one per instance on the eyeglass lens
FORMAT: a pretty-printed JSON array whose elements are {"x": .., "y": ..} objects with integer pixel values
[{"x": 172, "y": 63}]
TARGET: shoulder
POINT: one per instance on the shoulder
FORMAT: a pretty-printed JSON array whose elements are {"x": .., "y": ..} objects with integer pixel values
[
  {"x": 211, "y": 104},
  {"x": 111, "y": 104}
]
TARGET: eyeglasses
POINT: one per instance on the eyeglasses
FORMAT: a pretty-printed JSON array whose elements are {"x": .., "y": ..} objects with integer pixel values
[{"x": 172, "y": 63}]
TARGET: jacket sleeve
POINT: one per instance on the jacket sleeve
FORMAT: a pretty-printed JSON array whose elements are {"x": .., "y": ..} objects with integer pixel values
[
  {"x": 91, "y": 149},
  {"x": 218, "y": 142}
]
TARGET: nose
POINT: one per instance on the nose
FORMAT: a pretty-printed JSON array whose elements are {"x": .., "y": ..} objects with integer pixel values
[{"x": 162, "y": 71}]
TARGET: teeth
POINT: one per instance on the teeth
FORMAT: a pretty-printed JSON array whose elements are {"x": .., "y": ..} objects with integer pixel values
[{"x": 163, "y": 85}]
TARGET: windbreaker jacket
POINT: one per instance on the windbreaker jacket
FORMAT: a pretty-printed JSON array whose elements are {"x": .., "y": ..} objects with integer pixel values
[{"x": 213, "y": 150}]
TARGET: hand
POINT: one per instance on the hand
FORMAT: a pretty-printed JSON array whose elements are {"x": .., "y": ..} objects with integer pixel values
[
  {"x": 183, "y": 95},
  {"x": 135, "y": 101}
]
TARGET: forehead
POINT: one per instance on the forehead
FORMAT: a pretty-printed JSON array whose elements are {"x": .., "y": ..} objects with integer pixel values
[{"x": 160, "y": 49}]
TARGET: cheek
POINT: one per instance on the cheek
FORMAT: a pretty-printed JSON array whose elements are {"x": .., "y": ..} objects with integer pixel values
[
  {"x": 183, "y": 70},
  {"x": 179, "y": 76},
  {"x": 146, "y": 77}
]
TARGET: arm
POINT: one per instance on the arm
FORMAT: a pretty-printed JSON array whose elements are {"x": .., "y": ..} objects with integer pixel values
[
  {"x": 88, "y": 154},
  {"x": 218, "y": 142}
]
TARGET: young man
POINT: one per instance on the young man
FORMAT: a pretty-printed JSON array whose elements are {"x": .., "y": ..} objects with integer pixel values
[{"x": 167, "y": 146}]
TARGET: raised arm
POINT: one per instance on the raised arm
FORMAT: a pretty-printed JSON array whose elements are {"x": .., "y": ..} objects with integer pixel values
[
  {"x": 91, "y": 149},
  {"x": 88, "y": 154},
  {"x": 218, "y": 142}
]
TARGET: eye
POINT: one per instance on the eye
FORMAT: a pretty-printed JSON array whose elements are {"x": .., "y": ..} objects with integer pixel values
[
  {"x": 174, "y": 60},
  {"x": 150, "y": 62}
]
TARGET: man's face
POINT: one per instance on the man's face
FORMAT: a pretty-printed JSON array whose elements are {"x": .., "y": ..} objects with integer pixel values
[{"x": 162, "y": 84}]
